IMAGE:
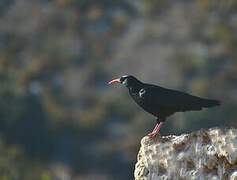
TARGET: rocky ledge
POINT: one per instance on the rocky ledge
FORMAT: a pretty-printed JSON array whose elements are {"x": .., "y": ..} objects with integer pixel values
[{"x": 205, "y": 154}]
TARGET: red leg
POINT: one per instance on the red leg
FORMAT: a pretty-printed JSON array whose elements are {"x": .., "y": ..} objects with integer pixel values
[{"x": 155, "y": 130}]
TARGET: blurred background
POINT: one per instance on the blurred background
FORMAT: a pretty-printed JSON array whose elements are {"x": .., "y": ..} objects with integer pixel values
[{"x": 58, "y": 117}]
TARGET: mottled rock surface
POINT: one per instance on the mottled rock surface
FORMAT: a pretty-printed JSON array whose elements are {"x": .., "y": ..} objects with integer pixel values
[{"x": 205, "y": 154}]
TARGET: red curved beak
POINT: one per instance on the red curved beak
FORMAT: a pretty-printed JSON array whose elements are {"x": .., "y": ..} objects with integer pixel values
[{"x": 114, "y": 81}]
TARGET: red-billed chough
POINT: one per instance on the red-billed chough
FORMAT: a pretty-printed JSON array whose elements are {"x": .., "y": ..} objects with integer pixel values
[{"x": 162, "y": 102}]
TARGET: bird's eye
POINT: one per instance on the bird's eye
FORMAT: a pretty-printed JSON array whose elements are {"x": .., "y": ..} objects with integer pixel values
[{"x": 125, "y": 82}]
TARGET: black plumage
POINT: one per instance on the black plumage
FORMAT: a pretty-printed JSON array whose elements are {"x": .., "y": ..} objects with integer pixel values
[{"x": 162, "y": 102}]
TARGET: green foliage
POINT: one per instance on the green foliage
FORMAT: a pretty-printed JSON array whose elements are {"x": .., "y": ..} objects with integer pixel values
[{"x": 15, "y": 165}]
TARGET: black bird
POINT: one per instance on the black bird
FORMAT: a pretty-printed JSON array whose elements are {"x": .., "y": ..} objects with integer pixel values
[{"x": 162, "y": 102}]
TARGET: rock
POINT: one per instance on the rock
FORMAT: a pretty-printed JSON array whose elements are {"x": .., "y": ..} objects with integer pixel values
[{"x": 205, "y": 154}]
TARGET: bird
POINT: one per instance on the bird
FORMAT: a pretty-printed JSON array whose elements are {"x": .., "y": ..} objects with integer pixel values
[{"x": 162, "y": 102}]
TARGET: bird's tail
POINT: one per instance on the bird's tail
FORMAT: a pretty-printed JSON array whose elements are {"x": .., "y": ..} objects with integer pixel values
[{"x": 210, "y": 103}]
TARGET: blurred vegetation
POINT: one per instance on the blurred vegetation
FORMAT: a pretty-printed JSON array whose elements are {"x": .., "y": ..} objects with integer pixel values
[{"x": 58, "y": 117}]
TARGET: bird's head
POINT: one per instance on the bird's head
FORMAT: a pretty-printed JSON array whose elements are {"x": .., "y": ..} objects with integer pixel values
[{"x": 126, "y": 80}]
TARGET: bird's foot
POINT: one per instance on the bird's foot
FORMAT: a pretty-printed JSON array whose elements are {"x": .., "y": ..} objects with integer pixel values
[
  {"x": 155, "y": 130},
  {"x": 152, "y": 135}
]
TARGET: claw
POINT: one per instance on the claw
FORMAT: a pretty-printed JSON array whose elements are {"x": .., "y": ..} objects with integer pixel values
[{"x": 152, "y": 135}]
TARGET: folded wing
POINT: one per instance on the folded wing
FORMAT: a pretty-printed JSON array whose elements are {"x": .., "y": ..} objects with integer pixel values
[{"x": 175, "y": 101}]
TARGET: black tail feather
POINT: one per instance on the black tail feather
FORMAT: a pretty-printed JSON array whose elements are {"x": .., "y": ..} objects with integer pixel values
[{"x": 211, "y": 103}]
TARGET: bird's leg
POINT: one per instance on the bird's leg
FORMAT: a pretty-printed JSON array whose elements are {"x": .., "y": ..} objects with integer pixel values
[
  {"x": 155, "y": 130},
  {"x": 157, "y": 125}
]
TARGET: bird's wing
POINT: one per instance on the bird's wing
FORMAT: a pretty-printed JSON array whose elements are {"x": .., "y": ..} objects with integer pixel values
[{"x": 170, "y": 99}]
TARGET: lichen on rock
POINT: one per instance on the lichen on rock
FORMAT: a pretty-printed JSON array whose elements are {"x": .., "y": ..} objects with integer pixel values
[{"x": 205, "y": 154}]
